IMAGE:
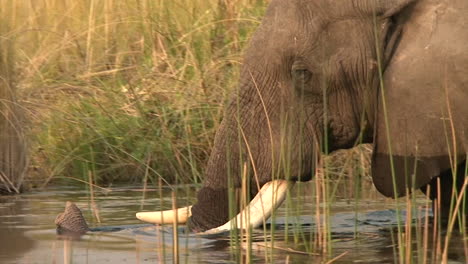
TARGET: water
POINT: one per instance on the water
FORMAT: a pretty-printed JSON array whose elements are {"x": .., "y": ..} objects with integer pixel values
[{"x": 362, "y": 230}]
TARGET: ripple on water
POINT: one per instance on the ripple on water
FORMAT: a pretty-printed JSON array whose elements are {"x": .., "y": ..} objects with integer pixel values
[{"x": 27, "y": 224}]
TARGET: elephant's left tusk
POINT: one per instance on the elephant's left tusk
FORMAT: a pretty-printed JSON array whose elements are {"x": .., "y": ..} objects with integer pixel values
[
  {"x": 268, "y": 199},
  {"x": 166, "y": 217}
]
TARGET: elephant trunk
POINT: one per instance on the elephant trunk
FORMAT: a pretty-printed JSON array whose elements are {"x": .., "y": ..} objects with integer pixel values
[{"x": 71, "y": 221}]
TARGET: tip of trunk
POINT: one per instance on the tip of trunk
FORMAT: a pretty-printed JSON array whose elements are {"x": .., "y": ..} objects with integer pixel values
[{"x": 71, "y": 221}]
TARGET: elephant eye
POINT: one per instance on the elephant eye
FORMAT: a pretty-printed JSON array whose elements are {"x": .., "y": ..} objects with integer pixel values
[
  {"x": 301, "y": 78},
  {"x": 302, "y": 75},
  {"x": 299, "y": 70}
]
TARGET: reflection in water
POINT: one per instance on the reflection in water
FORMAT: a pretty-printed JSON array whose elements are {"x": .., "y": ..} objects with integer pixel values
[
  {"x": 13, "y": 242},
  {"x": 363, "y": 230}
]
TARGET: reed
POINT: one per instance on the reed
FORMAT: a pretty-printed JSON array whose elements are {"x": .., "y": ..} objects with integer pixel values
[
  {"x": 125, "y": 79},
  {"x": 133, "y": 91},
  {"x": 13, "y": 146}
]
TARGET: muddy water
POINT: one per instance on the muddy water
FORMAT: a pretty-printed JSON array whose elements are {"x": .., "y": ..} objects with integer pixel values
[{"x": 361, "y": 230}]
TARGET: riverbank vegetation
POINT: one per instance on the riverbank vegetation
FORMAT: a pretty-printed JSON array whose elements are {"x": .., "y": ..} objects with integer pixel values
[
  {"x": 13, "y": 155},
  {"x": 119, "y": 91}
]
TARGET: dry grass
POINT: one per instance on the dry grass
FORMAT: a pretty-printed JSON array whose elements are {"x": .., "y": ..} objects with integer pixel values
[
  {"x": 125, "y": 89},
  {"x": 13, "y": 156},
  {"x": 134, "y": 91}
]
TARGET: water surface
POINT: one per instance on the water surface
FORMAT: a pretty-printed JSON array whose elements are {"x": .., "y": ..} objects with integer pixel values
[{"x": 361, "y": 230}]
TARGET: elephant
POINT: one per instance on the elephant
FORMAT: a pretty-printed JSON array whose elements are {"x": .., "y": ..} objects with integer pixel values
[{"x": 319, "y": 76}]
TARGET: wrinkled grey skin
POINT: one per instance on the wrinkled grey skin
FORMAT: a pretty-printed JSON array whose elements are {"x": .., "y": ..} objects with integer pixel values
[
  {"x": 71, "y": 222},
  {"x": 72, "y": 225},
  {"x": 426, "y": 98},
  {"x": 310, "y": 84}
]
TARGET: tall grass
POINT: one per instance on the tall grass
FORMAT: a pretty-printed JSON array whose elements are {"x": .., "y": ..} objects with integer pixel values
[
  {"x": 13, "y": 156},
  {"x": 133, "y": 91},
  {"x": 126, "y": 85}
]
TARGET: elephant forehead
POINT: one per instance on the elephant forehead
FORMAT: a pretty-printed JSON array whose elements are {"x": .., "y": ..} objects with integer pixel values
[{"x": 345, "y": 41}]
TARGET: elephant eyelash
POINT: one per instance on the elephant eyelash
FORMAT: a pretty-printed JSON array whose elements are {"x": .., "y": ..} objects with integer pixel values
[
  {"x": 300, "y": 71},
  {"x": 302, "y": 74},
  {"x": 301, "y": 78}
]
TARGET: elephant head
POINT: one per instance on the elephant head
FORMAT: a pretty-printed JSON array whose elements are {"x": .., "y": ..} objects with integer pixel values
[{"x": 309, "y": 84}]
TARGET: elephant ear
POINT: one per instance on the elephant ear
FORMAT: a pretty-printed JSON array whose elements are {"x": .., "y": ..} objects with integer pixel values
[{"x": 421, "y": 126}]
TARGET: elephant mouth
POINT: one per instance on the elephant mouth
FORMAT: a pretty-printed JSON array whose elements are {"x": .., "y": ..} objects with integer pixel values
[{"x": 262, "y": 206}]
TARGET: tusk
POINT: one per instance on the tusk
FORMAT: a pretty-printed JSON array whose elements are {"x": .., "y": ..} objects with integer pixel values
[
  {"x": 180, "y": 216},
  {"x": 268, "y": 199}
]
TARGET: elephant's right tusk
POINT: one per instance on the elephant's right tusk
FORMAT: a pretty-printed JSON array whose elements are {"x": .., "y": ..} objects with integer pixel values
[
  {"x": 166, "y": 217},
  {"x": 268, "y": 199}
]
